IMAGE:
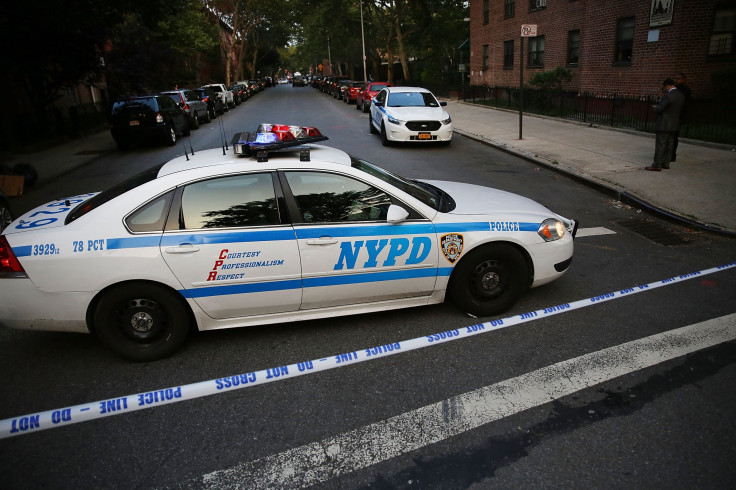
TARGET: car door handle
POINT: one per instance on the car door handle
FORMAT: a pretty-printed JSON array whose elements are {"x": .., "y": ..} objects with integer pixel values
[
  {"x": 184, "y": 248},
  {"x": 322, "y": 241}
]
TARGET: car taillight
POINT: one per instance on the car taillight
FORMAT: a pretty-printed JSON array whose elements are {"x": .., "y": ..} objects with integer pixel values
[
  {"x": 186, "y": 107},
  {"x": 9, "y": 265},
  {"x": 159, "y": 117}
]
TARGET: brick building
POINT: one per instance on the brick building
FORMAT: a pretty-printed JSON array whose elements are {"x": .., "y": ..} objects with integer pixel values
[{"x": 624, "y": 47}]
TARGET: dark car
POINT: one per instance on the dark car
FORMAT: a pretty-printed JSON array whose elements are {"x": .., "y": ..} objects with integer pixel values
[
  {"x": 298, "y": 81},
  {"x": 192, "y": 104},
  {"x": 338, "y": 86},
  {"x": 148, "y": 117},
  {"x": 214, "y": 102}
]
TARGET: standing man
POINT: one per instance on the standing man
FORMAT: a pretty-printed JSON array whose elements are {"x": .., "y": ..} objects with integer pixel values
[
  {"x": 666, "y": 125},
  {"x": 681, "y": 84}
]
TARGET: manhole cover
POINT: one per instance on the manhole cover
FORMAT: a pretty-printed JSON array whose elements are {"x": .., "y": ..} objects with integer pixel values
[{"x": 655, "y": 232}]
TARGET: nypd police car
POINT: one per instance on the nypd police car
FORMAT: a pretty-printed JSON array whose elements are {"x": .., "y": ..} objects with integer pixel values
[
  {"x": 409, "y": 114},
  {"x": 277, "y": 228}
]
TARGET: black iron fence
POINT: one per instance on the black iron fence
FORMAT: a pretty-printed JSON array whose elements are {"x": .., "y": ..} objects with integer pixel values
[
  {"x": 34, "y": 132},
  {"x": 705, "y": 120}
]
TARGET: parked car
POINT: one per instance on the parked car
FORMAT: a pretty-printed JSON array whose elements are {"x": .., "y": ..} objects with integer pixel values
[
  {"x": 215, "y": 105},
  {"x": 350, "y": 93},
  {"x": 148, "y": 117},
  {"x": 363, "y": 101},
  {"x": 225, "y": 93},
  {"x": 338, "y": 85},
  {"x": 240, "y": 93},
  {"x": 192, "y": 104},
  {"x": 298, "y": 81},
  {"x": 133, "y": 265},
  {"x": 404, "y": 114}
]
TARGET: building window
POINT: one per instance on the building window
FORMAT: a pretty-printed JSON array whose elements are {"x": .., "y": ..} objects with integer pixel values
[
  {"x": 485, "y": 57},
  {"x": 508, "y": 54},
  {"x": 724, "y": 28},
  {"x": 573, "y": 47},
  {"x": 624, "y": 41},
  {"x": 537, "y": 4},
  {"x": 536, "y": 52},
  {"x": 509, "y": 9},
  {"x": 486, "y": 11}
]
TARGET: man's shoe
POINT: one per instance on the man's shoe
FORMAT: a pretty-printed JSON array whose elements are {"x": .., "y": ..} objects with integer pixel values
[{"x": 653, "y": 169}]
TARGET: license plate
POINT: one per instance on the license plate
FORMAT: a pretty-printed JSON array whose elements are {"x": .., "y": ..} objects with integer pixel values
[
  {"x": 135, "y": 123},
  {"x": 424, "y": 136}
]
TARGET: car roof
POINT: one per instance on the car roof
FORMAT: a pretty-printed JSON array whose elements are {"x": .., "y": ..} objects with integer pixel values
[
  {"x": 405, "y": 89},
  {"x": 319, "y": 155}
]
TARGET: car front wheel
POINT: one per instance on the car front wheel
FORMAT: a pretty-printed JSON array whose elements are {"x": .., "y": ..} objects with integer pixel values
[
  {"x": 489, "y": 280},
  {"x": 384, "y": 137},
  {"x": 141, "y": 321},
  {"x": 370, "y": 125}
]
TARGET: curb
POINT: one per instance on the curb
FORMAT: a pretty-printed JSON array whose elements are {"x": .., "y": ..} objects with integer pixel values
[{"x": 617, "y": 192}]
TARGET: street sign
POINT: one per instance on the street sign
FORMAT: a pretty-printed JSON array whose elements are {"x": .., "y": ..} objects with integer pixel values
[{"x": 528, "y": 30}]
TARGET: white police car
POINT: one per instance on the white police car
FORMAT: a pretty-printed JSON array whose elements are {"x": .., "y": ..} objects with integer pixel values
[
  {"x": 280, "y": 229},
  {"x": 409, "y": 114}
]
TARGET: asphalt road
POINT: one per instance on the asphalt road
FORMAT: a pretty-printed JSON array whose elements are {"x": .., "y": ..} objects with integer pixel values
[{"x": 574, "y": 400}]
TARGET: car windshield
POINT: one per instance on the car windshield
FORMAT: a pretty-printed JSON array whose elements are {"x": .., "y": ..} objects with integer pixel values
[
  {"x": 412, "y": 99},
  {"x": 428, "y": 194},
  {"x": 112, "y": 192}
]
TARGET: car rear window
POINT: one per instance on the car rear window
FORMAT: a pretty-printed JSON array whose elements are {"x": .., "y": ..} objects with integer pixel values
[
  {"x": 134, "y": 104},
  {"x": 112, "y": 193}
]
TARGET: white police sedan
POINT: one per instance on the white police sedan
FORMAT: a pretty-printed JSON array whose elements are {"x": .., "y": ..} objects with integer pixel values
[
  {"x": 274, "y": 230},
  {"x": 409, "y": 114}
]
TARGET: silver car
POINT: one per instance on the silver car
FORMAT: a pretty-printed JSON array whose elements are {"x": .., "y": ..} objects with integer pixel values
[{"x": 192, "y": 104}]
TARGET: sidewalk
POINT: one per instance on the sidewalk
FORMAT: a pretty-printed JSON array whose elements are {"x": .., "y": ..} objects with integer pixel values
[{"x": 700, "y": 188}]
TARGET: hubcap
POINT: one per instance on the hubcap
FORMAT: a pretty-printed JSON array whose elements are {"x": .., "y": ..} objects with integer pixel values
[
  {"x": 141, "y": 322},
  {"x": 490, "y": 280}
]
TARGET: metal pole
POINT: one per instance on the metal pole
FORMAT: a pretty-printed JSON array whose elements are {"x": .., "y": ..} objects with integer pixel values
[
  {"x": 362, "y": 35},
  {"x": 521, "y": 86}
]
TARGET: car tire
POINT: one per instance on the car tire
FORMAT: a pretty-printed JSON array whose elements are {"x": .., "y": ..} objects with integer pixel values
[
  {"x": 384, "y": 137},
  {"x": 170, "y": 135},
  {"x": 489, "y": 280},
  {"x": 357, "y": 106},
  {"x": 207, "y": 116},
  {"x": 6, "y": 215},
  {"x": 370, "y": 125},
  {"x": 195, "y": 122},
  {"x": 142, "y": 321}
]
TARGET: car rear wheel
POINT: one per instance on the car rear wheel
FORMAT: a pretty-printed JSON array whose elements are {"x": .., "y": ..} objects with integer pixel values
[
  {"x": 195, "y": 122},
  {"x": 170, "y": 135},
  {"x": 207, "y": 116},
  {"x": 142, "y": 321},
  {"x": 489, "y": 280}
]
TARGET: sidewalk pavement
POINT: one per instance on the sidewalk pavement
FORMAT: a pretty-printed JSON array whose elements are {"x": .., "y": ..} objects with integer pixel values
[{"x": 699, "y": 188}]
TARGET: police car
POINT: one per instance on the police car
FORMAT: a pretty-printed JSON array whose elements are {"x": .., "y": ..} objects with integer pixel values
[
  {"x": 275, "y": 228},
  {"x": 409, "y": 114}
]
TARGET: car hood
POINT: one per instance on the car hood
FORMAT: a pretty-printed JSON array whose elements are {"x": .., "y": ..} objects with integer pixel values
[
  {"x": 476, "y": 199},
  {"x": 417, "y": 113}
]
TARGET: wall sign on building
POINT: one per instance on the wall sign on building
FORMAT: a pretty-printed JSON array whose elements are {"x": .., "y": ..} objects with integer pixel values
[{"x": 661, "y": 12}]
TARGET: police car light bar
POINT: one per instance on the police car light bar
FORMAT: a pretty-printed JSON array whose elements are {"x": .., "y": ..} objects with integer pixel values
[{"x": 271, "y": 138}]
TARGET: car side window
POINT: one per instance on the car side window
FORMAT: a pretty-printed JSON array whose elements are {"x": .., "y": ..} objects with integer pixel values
[
  {"x": 323, "y": 197},
  {"x": 381, "y": 97},
  {"x": 228, "y": 202},
  {"x": 166, "y": 103},
  {"x": 151, "y": 216}
]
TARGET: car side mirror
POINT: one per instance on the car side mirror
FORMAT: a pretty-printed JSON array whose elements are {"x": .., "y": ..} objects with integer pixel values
[
  {"x": 377, "y": 103},
  {"x": 396, "y": 214},
  {"x": 443, "y": 103}
]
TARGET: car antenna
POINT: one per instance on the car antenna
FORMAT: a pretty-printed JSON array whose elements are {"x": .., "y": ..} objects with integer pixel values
[{"x": 222, "y": 136}]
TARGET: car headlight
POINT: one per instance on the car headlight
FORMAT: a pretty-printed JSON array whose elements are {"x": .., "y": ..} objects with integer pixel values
[
  {"x": 551, "y": 229},
  {"x": 447, "y": 121},
  {"x": 393, "y": 120}
]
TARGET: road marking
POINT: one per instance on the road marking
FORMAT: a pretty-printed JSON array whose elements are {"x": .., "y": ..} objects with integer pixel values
[
  {"x": 595, "y": 231},
  {"x": 329, "y": 458},
  {"x": 35, "y": 422}
]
